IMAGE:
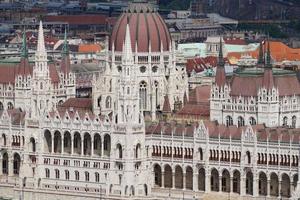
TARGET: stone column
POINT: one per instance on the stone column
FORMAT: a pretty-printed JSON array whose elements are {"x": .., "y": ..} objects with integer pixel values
[
  {"x": 279, "y": 189},
  {"x": 10, "y": 166},
  {"x": 82, "y": 139},
  {"x": 162, "y": 179},
  {"x": 173, "y": 180},
  {"x": 184, "y": 181},
  {"x": 268, "y": 188},
  {"x": 1, "y": 169},
  {"x": 220, "y": 183},
  {"x": 255, "y": 186},
  {"x": 62, "y": 144},
  {"x": 102, "y": 148},
  {"x": 52, "y": 143},
  {"x": 72, "y": 145},
  {"x": 231, "y": 184},
  {"x": 207, "y": 183},
  {"x": 243, "y": 186},
  {"x": 195, "y": 182},
  {"x": 92, "y": 146}
]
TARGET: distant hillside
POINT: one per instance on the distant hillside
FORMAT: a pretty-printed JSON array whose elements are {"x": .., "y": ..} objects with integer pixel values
[
  {"x": 258, "y": 9},
  {"x": 174, "y": 4}
]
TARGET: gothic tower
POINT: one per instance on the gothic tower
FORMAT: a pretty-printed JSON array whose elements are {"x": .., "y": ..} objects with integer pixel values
[{"x": 41, "y": 88}]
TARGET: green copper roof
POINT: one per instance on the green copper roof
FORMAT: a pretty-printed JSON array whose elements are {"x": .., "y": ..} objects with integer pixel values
[{"x": 256, "y": 71}]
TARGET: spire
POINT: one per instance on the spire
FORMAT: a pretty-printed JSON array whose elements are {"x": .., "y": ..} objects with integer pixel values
[
  {"x": 65, "y": 48},
  {"x": 260, "y": 60},
  {"x": 41, "y": 41},
  {"x": 127, "y": 50},
  {"x": 221, "y": 62},
  {"x": 65, "y": 61},
  {"x": 268, "y": 58},
  {"x": 220, "y": 78},
  {"x": 24, "y": 50}
]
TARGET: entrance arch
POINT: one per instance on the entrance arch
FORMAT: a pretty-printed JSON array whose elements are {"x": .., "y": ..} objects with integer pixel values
[
  {"x": 285, "y": 186},
  {"x": 225, "y": 181},
  {"x": 274, "y": 183},
  {"x": 168, "y": 177},
  {"x": 157, "y": 175},
  {"x": 178, "y": 177},
  {"x": 201, "y": 179},
  {"x": 214, "y": 180},
  {"x": 236, "y": 181},
  {"x": 189, "y": 178},
  {"x": 262, "y": 184},
  {"x": 17, "y": 164},
  {"x": 249, "y": 183}
]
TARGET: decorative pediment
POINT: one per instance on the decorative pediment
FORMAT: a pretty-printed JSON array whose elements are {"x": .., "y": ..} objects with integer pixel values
[
  {"x": 5, "y": 117},
  {"x": 76, "y": 119},
  {"x": 201, "y": 130},
  {"x": 248, "y": 135}
]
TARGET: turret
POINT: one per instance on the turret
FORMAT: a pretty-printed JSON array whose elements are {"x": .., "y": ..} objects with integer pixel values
[
  {"x": 41, "y": 87},
  {"x": 128, "y": 101},
  {"x": 65, "y": 58},
  {"x": 220, "y": 73}
]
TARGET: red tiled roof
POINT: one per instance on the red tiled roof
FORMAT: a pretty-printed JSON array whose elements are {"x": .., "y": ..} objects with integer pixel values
[
  {"x": 89, "y": 48},
  {"x": 200, "y": 64},
  {"x": 216, "y": 130},
  {"x": 166, "y": 106},
  {"x": 78, "y": 19},
  {"x": 248, "y": 85},
  {"x": 236, "y": 41},
  {"x": 198, "y": 104},
  {"x": 279, "y": 52},
  {"x": 81, "y": 103},
  {"x": 8, "y": 72}
]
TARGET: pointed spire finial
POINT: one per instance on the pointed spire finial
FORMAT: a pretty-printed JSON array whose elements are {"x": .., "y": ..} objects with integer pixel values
[
  {"x": 24, "y": 50},
  {"x": 268, "y": 58},
  {"x": 260, "y": 60},
  {"x": 65, "y": 48},
  {"x": 41, "y": 41},
  {"x": 221, "y": 61},
  {"x": 127, "y": 49}
]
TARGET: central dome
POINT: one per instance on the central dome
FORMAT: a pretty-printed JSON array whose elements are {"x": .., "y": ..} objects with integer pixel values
[{"x": 146, "y": 28}]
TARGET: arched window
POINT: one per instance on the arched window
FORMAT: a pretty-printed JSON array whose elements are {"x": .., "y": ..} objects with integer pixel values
[
  {"x": 201, "y": 153},
  {"x": 77, "y": 175},
  {"x": 252, "y": 121},
  {"x": 97, "y": 177},
  {"x": 99, "y": 101},
  {"x": 10, "y": 106},
  {"x": 143, "y": 95},
  {"x": 67, "y": 174},
  {"x": 108, "y": 102},
  {"x": 241, "y": 121},
  {"x": 138, "y": 151},
  {"x": 56, "y": 173},
  {"x": 229, "y": 121},
  {"x": 87, "y": 176},
  {"x": 156, "y": 94},
  {"x": 284, "y": 121},
  {"x": 294, "y": 121},
  {"x": 248, "y": 156},
  {"x": 47, "y": 173},
  {"x": 119, "y": 150}
]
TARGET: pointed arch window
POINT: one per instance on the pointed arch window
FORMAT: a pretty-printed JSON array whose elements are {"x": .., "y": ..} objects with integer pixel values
[
  {"x": 143, "y": 95},
  {"x": 229, "y": 121},
  {"x": 241, "y": 121},
  {"x": 294, "y": 121}
]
